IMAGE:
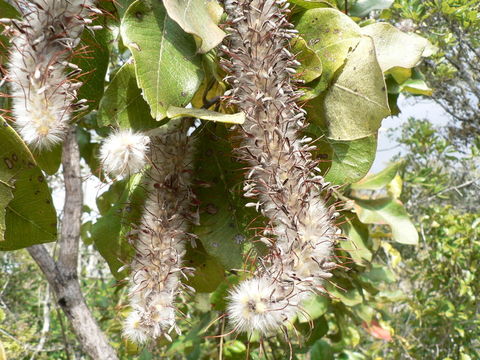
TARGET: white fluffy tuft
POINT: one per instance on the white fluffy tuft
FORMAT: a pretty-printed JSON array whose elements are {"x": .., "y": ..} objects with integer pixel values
[
  {"x": 42, "y": 45},
  {"x": 160, "y": 246},
  {"x": 257, "y": 304},
  {"x": 124, "y": 153}
]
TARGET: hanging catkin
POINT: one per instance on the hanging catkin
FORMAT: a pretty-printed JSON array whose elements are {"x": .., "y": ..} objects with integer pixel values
[
  {"x": 157, "y": 266},
  {"x": 282, "y": 175},
  {"x": 44, "y": 94}
]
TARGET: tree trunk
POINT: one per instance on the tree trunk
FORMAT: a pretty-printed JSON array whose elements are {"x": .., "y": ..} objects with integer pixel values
[{"x": 62, "y": 274}]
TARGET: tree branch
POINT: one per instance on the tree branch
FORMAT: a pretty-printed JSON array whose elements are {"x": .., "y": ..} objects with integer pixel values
[
  {"x": 72, "y": 209},
  {"x": 62, "y": 275}
]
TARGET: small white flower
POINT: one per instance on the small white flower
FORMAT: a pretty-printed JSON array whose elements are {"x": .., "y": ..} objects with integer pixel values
[
  {"x": 133, "y": 330},
  {"x": 124, "y": 152},
  {"x": 259, "y": 304}
]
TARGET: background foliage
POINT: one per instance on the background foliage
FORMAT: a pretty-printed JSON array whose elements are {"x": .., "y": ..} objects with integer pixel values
[{"x": 409, "y": 287}]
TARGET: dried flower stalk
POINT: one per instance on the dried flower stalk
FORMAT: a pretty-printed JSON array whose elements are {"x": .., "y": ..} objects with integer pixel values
[
  {"x": 43, "y": 41},
  {"x": 282, "y": 176},
  {"x": 160, "y": 247}
]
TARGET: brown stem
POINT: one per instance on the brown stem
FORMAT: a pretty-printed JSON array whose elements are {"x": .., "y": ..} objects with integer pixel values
[{"x": 62, "y": 275}]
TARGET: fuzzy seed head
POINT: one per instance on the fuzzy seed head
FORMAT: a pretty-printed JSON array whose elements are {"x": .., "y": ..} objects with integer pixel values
[
  {"x": 258, "y": 305},
  {"x": 124, "y": 153},
  {"x": 160, "y": 246},
  {"x": 281, "y": 176},
  {"x": 43, "y": 42}
]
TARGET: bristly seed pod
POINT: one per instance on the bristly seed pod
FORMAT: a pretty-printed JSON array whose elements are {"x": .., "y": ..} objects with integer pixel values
[
  {"x": 160, "y": 246},
  {"x": 281, "y": 172},
  {"x": 42, "y": 43}
]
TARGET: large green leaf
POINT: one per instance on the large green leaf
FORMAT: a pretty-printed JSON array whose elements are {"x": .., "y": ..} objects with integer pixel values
[
  {"x": 93, "y": 58},
  {"x": 321, "y": 350},
  {"x": 379, "y": 180},
  {"x": 332, "y": 35},
  {"x": 359, "y": 85},
  {"x": 123, "y": 105},
  {"x": 167, "y": 67},
  {"x": 49, "y": 160},
  {"x": 351, "y": 160},
  {"x": 199, "y": 18},
  {"x": 224, "y": 220},
  {"x": 314, "y": 307},
  {"x": 120, "y": 207},
  {"x": 394, "y": 47},
  {"x": 209, "y": 272},
  {"x": 388, "y": 211},
  {"x": 27, "y": 215},
  {"x": 364, "y": 7}
]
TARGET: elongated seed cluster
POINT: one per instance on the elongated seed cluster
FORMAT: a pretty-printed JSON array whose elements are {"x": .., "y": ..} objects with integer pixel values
[
  {"x": 282, "y": 176},
  {"x": 44, "y": 94},
  {"x": 160, "y": 246}
]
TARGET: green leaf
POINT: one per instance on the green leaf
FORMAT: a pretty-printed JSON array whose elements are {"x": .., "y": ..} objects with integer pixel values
[
  {"x": 27, "y": 215},
  {"x": 351, "y": 160},
  {"x": 359, "y": 85},
  {"x": 349, "y": 297},
  {"x": 209, "y": 272},
  {"x": 394, "y": 47},
  {"x": 378, "y": 274},
  {"x": 314, "y": 307},
  {"x": 358, "y": 237},
  {"x": 310, "y": 4},
  {"x": 332, "y": 35},
  {"x": 390, "y": 212},
  {"x": 224, "y": 219},
  {"x": 321, "y": 350},
  {"x": 379, "y": 180},
  {"x": 176, "y": 112},
  {"x": 93, "y": 60},
  {"x": 159, "y": 45},
  {"x": 123, "y": 106},
  {"x": 199, "y": 18},
  {"x": 362, "y": 8},
  {"x": 311, "y": 65},
  {"x": 121, "y": 207},
  {"x": 49, "y": 160},
  {"x": 9, "y": 12},
  {"x": 416, "y": 86}
]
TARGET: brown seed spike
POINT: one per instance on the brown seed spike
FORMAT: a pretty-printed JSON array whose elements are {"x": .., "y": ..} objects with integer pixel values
[{"x": 282, "y": 177}]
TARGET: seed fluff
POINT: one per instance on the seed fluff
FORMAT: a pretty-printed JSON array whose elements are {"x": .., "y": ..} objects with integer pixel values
[{"x": 283, "y": 178}]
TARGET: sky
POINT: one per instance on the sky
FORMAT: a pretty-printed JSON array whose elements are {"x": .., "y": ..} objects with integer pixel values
[{"x": 417, "y": 107}]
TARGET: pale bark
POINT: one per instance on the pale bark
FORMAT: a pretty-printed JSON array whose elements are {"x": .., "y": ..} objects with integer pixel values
[{"x": 62, "y": 274}]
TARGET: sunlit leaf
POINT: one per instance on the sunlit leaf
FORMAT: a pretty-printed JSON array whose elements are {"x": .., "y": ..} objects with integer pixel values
[
  {"x": 200, "y": 18},
  {"x": 176, "y": 112},
  {"x": 359, "y": 85},
  {"x": 390, "y": 212},
  {"x": 159, "y": 45},
  {"x": 395, "y": 48}
]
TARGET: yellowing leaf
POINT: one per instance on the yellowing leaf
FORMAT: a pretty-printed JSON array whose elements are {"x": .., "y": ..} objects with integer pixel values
[
  {"x": 332, "y": 35},
  {"x": 200, "y": 18},
  {"x": 394, "y": 47},
  {"x": 356, "y": 102},
  {"x": 176, "y": 112}
]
